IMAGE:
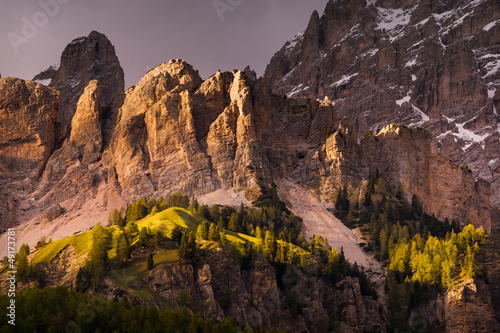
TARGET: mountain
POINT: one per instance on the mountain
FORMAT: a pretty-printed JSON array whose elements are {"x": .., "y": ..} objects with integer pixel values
[
  {"x": 75, "y": 150},
  {"x": 174, "y": 132},
  {"x": 84, "y": 59},
  {"x": 433, "y": 64}
]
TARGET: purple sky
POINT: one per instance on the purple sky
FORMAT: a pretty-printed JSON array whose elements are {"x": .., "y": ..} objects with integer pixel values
[{"x": 149, "y": 32}]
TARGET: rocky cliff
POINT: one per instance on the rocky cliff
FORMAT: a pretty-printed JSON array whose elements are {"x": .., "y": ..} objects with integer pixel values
[
  {"x": 174, "y": 132},
  {"x": 466, "y": 308},
  {"x": 218, "y": 288},
  {"x": 403, "y": 156},
  {"x": 85, "y": 59},
  {"x": 28, "y": 113},
  {"x": 433, "y": 64}
]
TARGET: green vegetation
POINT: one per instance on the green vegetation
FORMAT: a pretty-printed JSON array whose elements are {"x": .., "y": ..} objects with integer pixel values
[
  {"x": 80, "y": 242},
  {"x": 424, "y": 256},
  {"x": 165, "y": 236},
  {"x": 436, "y": 262},
  {"x": 61, "y": 310}
]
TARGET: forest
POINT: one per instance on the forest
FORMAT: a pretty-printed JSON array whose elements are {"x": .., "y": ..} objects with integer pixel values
[
  {"x": 424, "y": 256},
  {"x": 62, "y": 310}
]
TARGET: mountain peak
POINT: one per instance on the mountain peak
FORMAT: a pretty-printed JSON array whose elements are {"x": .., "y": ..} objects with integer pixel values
[{"x": 84, "y": 59}]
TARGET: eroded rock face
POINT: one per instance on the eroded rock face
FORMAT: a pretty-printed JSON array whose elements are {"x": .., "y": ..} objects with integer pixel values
[
  {"x": 466, "y": 308},
  {"x": 86, "y": 123},
  {"x": 28, "y": 112},
  {"x": 176, "y": 133},
  {"x": 404, "y": 156},
  {"x": 52, "y": 141},
  {"x": 420, "y": 63},
  {"x": 252, "y": 296},
  {"x": 83, "y": 60}
]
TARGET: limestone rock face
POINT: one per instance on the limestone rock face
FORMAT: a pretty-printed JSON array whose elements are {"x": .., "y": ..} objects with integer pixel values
[
  {"x": 257, "y": 300},
  {"x": 28, "y": 112},
  {"x": 403, "y": 156},
  {"x": 466, "y": 308},
  {"x": 432, "y": 64},
  {"x": 86, "y": 124},
  {"x": 155, "y": 137},
  {"x": 53, "y": 141},
  {"x": 177, "y": 133},
  {"x": 83, "y": 60}
]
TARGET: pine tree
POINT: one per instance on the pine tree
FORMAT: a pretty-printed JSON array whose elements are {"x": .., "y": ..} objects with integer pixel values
[
  {"x": 368, "y": 199},
  {"x": 22, "y": 264},
  {"x": 383, "y": 244},
  {"x": 202, "y": 231},
  {"x": 188, "y": 249},
  {"x": 233, "y": 222},
  {"x": 98, "y": 256},
  {"x": 116, "y": 218},
  {"x": 338, "y": 202},
  {"x": 469, "y": 265},
  {"x": 158, "y": 238},
  {"x": 270, "y": 245},
  {"x": 223, "y": 238},
  {"x": 177, "y": 234},
  {"x": 214, "y": 213},
  {"x": 346, "y": 204},
  {"x": 122, "y": 248},
  {"x": 399, "y": 192},
  {"x": 213, "y": 233},
  {"x": 143, "y": 237},
  {"x": 150, "y": 262}
]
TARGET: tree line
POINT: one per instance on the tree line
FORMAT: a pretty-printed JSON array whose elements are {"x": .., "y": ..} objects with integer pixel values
[{"x": 61, "y": 310}]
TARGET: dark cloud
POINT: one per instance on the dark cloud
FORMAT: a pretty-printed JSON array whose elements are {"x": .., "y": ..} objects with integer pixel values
[{"x": 147, "y": 33}]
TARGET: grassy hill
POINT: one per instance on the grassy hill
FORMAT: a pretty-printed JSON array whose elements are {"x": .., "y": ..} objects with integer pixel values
[{"x": 164, "y": 221}]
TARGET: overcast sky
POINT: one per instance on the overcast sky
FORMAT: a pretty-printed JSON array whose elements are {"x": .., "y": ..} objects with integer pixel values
[{"x": 150, "y": 32}]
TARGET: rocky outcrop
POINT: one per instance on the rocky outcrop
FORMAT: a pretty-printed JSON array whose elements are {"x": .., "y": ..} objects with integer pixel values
[
  {"x": 420, "y": 63},
  {"x": 83, "y": 60},
  {"x": 46, "y": 75},
  {"x": 86, "y": 123},
  {"x": 466, "y": 308},
  {"x": 252, "y": 296},
  {"x": 403, "y": 156},
  {"x": 28, "y": 113}
]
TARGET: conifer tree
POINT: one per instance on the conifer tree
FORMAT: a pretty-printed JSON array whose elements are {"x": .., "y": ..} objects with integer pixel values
[
  {"x": 150, "y": 262},
  {"x": 213, "y": 233},
  {"x": 202, "y": 231}
]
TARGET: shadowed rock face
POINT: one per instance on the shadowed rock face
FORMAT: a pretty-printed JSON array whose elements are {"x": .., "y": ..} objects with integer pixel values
[
  {"x": 427, "y": 63},
  {"x": 28, "y": 112},
  {"x": 83, "y": 60},
  {"x": 404, "y": 156}
]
